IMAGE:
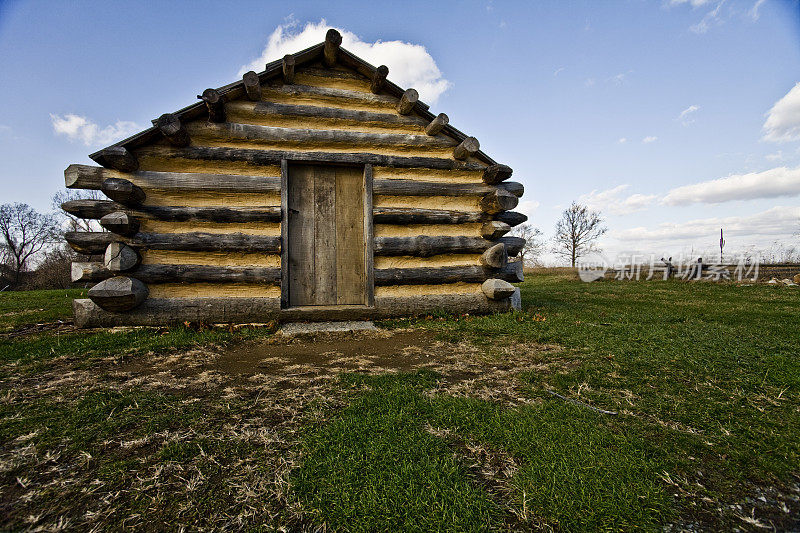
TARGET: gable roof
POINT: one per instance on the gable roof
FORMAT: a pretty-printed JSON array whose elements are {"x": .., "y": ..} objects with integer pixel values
[{"x": 236, "y": 90}]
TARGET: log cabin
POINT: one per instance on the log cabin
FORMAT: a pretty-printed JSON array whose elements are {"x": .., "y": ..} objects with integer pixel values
[{"x": 314, "y": 190}]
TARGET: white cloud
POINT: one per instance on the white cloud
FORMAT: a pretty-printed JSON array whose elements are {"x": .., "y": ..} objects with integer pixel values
[
  {"x": 649, "y": 139},
  {"x": 783, "y": 120},
  {"x": 559, "y": 71},
  {"x": 528, "y": 207},
  {"x": 753, "y": 13},
  {"x": 590, "y": 82},
  {"x": 410, "y": 65},
  {"x": 619, "y": 79},
  {"x": 79, "y": 128},
  {"x": 687, "y": 115},
  {"x": 759, "y": 228},
  {"x": 612, "y": 201},
  {"x": 622, "y": 140},
  {"x": 710, "y": 19},
  {"x": 693, "y": 3},
  {"x": 777, "y": 156},
  {"x": 773, "y": 183}
]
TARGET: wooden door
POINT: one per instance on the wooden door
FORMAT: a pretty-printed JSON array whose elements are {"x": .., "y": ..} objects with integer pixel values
[{"x": 326, "y": 237}]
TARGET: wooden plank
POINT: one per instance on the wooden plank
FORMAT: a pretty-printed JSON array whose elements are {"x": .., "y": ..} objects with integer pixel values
[
  {"x": 301, "y": 235},
  {"x": 273, "y": 157},
  {"x": 349, "y": 252},
  {"x": 324, "y": 209},
  {"x": 369, "y": 232},
  {"x": 285, "y": 280}
]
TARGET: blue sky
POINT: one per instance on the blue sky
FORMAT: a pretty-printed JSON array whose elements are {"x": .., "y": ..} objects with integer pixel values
[{"x": 634, "y": 107}]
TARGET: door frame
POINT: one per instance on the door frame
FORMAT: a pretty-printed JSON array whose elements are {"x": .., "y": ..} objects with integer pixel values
[{"x": 369, "y": 263}]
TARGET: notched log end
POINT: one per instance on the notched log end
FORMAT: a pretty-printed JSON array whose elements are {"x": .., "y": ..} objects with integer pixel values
[
  {"x": 497, "y": 289},
  {"x": 494, "y": 174},
  {"x": 119, "y": 294},
  {"x": 117, "y": 158}
]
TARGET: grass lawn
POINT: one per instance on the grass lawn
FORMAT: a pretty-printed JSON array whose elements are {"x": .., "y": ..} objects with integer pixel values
[{"x": 441, "y": 423}]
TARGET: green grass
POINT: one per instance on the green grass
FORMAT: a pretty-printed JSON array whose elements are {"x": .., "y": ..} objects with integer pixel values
[
  {"x": 705, "y": 379},
  {"x": 32, "y": 307}
]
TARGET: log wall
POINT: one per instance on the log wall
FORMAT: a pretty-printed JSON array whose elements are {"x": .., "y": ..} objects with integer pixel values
[{"x": 211, "y": 207}]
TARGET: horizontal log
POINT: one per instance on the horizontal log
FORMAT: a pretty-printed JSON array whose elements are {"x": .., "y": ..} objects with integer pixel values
[
  {"x": 155, "y": 274},
  {"x": 333, "y": 39},
  {"x": 119, "y": 257},
  {"x": 398, "y": 187},
  {"x": 119, "y": 222},
  {"x": 332, "y": 113},
  {"x": 252, "y": 85},
  {"x": 467, "y": 148},
  {"x": 215, "y": 103},
  {"x": 287, "y": 68},
  {"x": 512, "y": 218},
  {"x": 494, "y": 229},
  {"x": 495, "y": 257},
  {"x": 89, "y": 177},
  {"x": 96, "y": 243},
  {"x": 123, "y": 191},
  {"x": 407, "y": 101},
  {"x": 422, "y": 246},
  {"x": 336, "y": 95},
  {"x": 437, "y": 124},
  {"x": 497, "y": 289},
  {"x": 426, "y": 246},
  {"x": 117, "y": 158},
  {"x": 497, "y": 201},
  {"x": 321, "y": 72},
  {"x": 120, "y": 293},
  {"x": 494, "y": 174},
  {"x": 89, "y": 271},
  {"x": 165, "y": 311},
  {"x": 378, "y": 79},
  {"x": 234, "y": 132},
  {"x": 274, "y": 157},
  {"x": 94, "y": 209},
  {"x": 171, "y": 127}
]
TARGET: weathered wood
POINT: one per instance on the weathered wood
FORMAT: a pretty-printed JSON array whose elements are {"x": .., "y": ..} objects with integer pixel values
[
  {"x": 400, "y": 187},
  {"x": 252, "y": 85},
  {"x": 414, "y": 215},
  {"x": 494, "y": 229},
  {"x": 96, "y": 243},
  {"x": 274, "y": 134},
  {"x": 497, "y": 289},
  {"x": 171, "y": 127},
  {"x": 215, "y": 103},
  {"x": 438, "y": 275},
  {"x": 332, "y": 113},
  {"x": 333, "y": 40},
  {"x": 407, "y": 101},
  {"x": 161, "y": 311},
  {"x": 497, "y": 201},
  {"x": 89, "y": 271},
  {"x": 120, "y": 293},
  {"x": 512, "y": 271},
  {"x": 437, "y": 125},
  {"x": 285, "y": 216},
  {"x": 97, "y": 209},
  {"x": 494, "y": 174},
  {"x": 467, "y": 148},
  {"x": 332, "y": 73},
  {"x": 117, "y": 158},
  {"x": 123, "y": 191},
  {"x": 426, "y": 246},
  {"x": 119, "y": 257},
  {"x": 379, "y": 79},
  {"x": 154, "y": 274},
  {"x": 84, "y": 177},
  {"x": 369, "y": 234},
  {"x": 88, "y": 177},
  {"x": 336, "y": 95},
  {"x": 512, "y": 218},
  {"x": 495, "y": 257},
  {"x": 120, "y": 222},
  {"x": 287, "y": 68},
  {"x": 273, "y": 157}
]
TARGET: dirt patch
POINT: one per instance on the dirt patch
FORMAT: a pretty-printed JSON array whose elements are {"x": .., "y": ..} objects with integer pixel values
[{"x": 33, "y": 329}]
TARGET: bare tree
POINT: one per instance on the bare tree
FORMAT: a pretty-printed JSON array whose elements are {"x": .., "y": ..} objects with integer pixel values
[
  {"x": 74, "y": 223},
  {"x": 534, "y": 245},
  {"x": 24, "y": 233},
  {"x": 577, "y": 231}
]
